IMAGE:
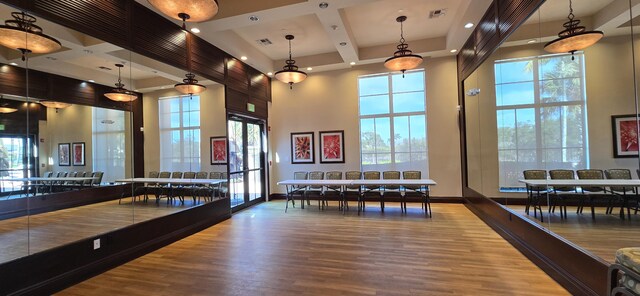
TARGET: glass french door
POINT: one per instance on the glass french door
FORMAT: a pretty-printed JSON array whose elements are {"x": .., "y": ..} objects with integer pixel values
[
  {"x": 246, "y": 161},
  {"x": 16, "y": 161}
]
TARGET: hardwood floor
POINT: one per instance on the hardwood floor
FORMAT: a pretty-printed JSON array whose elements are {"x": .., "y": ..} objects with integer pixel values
[
  {"x": 264, "y": 251},
  {"x": 602, "y": 236},
  {"x": 31, "y": 234}
]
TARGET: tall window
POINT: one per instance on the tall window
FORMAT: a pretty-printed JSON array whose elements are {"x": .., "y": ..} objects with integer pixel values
[
  {"x": 180, "y": 133},
  {"x": 393, "y": 133},
  {"x": 541, "y": 115},
  {"x": 108, "y": 147}
]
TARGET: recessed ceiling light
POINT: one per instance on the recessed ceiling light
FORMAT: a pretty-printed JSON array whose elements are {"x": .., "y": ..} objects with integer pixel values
[
  {"x": 453, "y": 50},
  {"x": 352, "y": 63},
  {"x": 532, "y": 41},
  {"x": 309, "y": 68},
  {"x": 270, "y": 73},
  {"x": 243, "y": 58},
  {"x": 343, "y": 43},
  {"x": 468, "y": 25},
  {"x": 13, "y": 64},
  {"x": 323, "y": 5},
  {"x": 254, "y": 18},
  {"x": 195, "y": 30},
  {"x": 91, "y": 80}
]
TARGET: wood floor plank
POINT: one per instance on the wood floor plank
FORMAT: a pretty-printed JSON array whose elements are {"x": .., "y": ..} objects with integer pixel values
[{"x": 264, "y": 251}]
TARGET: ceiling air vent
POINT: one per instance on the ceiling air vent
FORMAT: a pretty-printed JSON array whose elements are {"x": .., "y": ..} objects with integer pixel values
[
  {"x": 264, "y": 41},
  {"x": 437, "y": 13}
]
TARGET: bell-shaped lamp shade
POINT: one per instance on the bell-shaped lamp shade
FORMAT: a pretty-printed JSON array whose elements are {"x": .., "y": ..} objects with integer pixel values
[
  {"x": 54, "y": 104},
  {"x": 196, "y": 10},
  {"x": 190, "y": 86},
  {"x": 22, "y": 34}
]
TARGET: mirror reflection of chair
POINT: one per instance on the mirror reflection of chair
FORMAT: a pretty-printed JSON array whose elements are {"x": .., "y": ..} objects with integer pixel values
[
  {"x": 557, "y": 199},
  {"x": 590, "y": 191},
  {"x": 202, "y": 190},
  {"x": 624, "y": 194},
  {"x": 163, "y": 187},
  {"x": 187, "y": 189},
  {"x": 535, "y": 193}
]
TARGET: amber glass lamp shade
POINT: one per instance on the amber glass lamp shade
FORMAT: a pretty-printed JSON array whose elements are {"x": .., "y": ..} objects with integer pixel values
[
  {"x": 4, "y": 109},
  {"x": 197, "y": 10},
  {"x": 22, "y": 34},
  {"x": 190, "y": 86},
  {"x": 54, "y": 104}
]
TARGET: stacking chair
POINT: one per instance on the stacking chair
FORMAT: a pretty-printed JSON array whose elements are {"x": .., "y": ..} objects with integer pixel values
[
  {"x": 217, "y": 189},
  {"x": 97, "y": 178},
  {"x": 535, "y": 193},
  {"x": 299, "y": 189},
  {"x": 223, "y": 187},
  {"x": 175, "y": 188},
  {"x": 315, "y": 175},
  {"x": 150, "y": 187},
  {"x": 164, "y": 188},
  {"x": 373, "y": 189},
  {"x": 621, "y": 191},
  {"x": 558, "y": 191},
  {"x": 391, "y": 189},
  {"x": 334, "y": 175},
  {"x": 590, "y": 174},
  {"x": 420, "y": 189},
  {"x": 352, "y": 175},
  {"x": 203, "y": 190},
  {"x": 188, "y": 189}
]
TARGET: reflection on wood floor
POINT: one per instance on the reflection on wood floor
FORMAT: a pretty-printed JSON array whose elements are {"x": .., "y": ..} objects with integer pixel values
[
  {"x": 264, "y": 251},
  {"x": 31, "y": 234},
  {"x": 602, "y": 236}
]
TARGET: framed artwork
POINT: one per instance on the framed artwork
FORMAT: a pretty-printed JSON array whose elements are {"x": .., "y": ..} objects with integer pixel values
[
  {"x": 302, "y": 148},
  {"x": 625, "y": 135},
  {"x": 332, "y": 147},
  {"x": 78, "y": 153},
  {"x": 218, "y": 150},
  {"x": 64, "y": 157}
]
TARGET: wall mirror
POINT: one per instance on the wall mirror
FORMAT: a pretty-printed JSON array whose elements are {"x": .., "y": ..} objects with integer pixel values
[
  {"x": 95, "y": 135},
  {"x": 542, "y": 111}
]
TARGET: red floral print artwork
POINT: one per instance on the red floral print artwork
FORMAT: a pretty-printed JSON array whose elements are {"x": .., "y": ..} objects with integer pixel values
[
  {"x": 219, "y": 151},
  {"x": 628, "y": 136},
  {"x": 303, "y": 148},
  {"x": 332, "y": 147}
]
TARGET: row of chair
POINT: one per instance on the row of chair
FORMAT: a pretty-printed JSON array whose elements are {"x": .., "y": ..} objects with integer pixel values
[
  {"x": 363, "y": 192},
  {"x": 622, "y": 193},
  {"x": 64, "y": 185},
  {"x": 160, "y": 189}
]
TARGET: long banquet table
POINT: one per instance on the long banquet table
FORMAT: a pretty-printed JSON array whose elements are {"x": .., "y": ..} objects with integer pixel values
[
  {"x": 624, "y": 183},
  {"x": 48, "y": 181},
  {"x": 293, "y": 186}
]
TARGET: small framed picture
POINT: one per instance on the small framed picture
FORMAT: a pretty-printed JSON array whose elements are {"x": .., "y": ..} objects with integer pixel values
[
  {"x": 64, "y": 158},
  {"x": 78, "y": 153},
  {"x": 332, "y": 147},
  {"x": 625, "y": 135},
  {"x": 218, "y": 150},
  {"x": 302, "y": 148}
]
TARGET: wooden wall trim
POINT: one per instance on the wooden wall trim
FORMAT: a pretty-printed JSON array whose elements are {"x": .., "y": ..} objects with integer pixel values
[{"x": 52, "y": 270}]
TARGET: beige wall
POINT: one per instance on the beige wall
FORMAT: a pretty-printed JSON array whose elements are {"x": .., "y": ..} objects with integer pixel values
[
  {"x": 329, "y": 101},
  {"x": 609, "y": 91},
  {"x": 212, "y": 123}
]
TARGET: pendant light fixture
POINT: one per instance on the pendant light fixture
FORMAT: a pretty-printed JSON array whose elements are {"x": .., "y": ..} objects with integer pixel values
[
  {"x": 574, "y": 37},
  {"x": 194, "y": 10},
  {"x": 54, "y": 104},
  {"x": 21, "y": 33},
  {"x": 121, "y": 94},
  {"x": 403, "y": 59},
  {"x": 290, "y": 73},
  {"x": 190, "y": 86},
  {"x": 5, "y": 107}
]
